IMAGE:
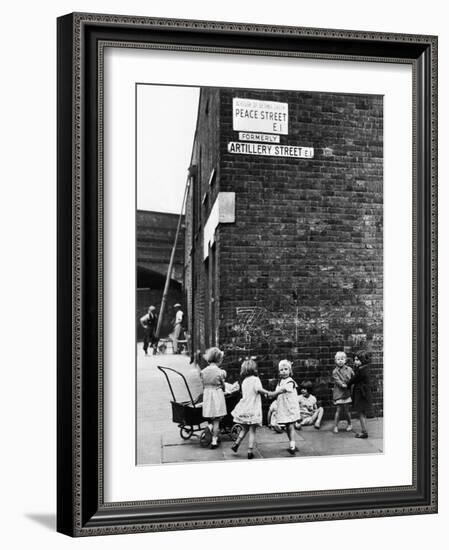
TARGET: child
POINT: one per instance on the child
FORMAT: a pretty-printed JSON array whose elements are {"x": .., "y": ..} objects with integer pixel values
[
  {"x": 248, "y": 411},
  {"x": 361, "y": 390},
  {"x": 272, "y": 418},
  {"x": 287, "y": 402},
  {"x": 341, "y": 394},
  {"x": 308, "y": 408},
  {"x": 214, "y": 404}
]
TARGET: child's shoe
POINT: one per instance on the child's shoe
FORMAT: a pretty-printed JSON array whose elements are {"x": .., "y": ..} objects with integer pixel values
[
  {"x": 335, "y": 430},
  {"x": 235, "y": 447},
  {"x": 250, "y": 455},
  {"x": 349, "y": 428},
  {"x": 292, "y": 450},
  {"x": 317, "y": 426},
  {"x": 361, "y": 435}
]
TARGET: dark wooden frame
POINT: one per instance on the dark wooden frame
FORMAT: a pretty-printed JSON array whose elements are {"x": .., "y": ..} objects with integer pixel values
[{"x": 81, "y": 510}]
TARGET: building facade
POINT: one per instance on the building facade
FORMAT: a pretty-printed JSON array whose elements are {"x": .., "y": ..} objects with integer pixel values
[
  {"x": 155, "y": 237},
  {"x": 284, "y": 231}
]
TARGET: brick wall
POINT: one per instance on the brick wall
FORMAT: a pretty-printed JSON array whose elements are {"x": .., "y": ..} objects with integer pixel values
[
  {"x": 305, "y": 252},
  {"x": 202, "y": 194}
]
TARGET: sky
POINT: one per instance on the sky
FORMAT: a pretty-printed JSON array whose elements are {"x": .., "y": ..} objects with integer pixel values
[{"x": 166, "y": 122}]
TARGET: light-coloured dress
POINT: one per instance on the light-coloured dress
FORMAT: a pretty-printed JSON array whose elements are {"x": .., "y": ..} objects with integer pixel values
[
  {"x": 214, "y": 404},
  {"x": 287, "y": 402},
  {"x": 341, "y": 376},
  {"x": 249, "y": 409},
  {"x": 307, "y": 406}
]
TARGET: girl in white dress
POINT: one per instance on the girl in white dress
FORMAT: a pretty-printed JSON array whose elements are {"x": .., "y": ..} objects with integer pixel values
[
  {"x": 287, "y": 402},
  {"x": 214, "y": 404},
  {"x": 248, "y": 411}
]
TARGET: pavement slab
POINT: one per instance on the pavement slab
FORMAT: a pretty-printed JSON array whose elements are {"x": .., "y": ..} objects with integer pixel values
[
  {"x": 175, "y": 439},
  {"x": 343, "y": 444},
  {"x": 242, "y": 453},
  {"x": 270, "y": 444},
  {"x": 265, "y": 435},
  {"x": 154, "y": 412},
  {"x": 280, "y": 450},
  {"x": 377, "y": 443}
]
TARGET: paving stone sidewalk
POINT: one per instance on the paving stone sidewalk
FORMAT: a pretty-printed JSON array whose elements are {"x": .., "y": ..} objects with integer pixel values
[{"x": 309, "y": 442}]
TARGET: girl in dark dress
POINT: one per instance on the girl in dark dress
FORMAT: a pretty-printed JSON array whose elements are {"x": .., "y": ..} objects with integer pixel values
[{"x": 361, "y": 390}]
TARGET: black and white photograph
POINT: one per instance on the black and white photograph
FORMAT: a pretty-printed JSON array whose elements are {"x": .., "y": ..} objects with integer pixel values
[
  {"x": 221, "y": 275},
  {"x": 259, "y": 274}
]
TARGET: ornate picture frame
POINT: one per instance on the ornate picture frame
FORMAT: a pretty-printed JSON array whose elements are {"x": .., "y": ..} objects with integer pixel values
[{"x": 81, "y": 508}]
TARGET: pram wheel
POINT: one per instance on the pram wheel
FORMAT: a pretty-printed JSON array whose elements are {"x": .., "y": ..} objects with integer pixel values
[
  {"x": 205, "y": 437},
  {"x": 186, "y": 432},
  {"x": 235, "y": 431}
]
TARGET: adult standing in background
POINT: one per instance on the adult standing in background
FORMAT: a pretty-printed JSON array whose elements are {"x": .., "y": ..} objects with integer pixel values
[
  {"x": 179, "y": 315},
  {"x": 149, "y": 324}
]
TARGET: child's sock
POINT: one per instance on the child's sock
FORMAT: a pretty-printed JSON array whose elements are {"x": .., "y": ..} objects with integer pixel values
[{"x": 214, "y": 440}]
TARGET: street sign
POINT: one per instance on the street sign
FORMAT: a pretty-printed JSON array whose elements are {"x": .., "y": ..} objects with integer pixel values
[
  {"x": 292, "y": 151},
  {"x": 266, "y": 138},
  {"x": 253, "y": 115}
]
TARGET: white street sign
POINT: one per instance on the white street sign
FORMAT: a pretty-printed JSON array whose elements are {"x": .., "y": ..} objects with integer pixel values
[
  {"x": 253, "y": 115},
  {"x": 292, "y": 151}
]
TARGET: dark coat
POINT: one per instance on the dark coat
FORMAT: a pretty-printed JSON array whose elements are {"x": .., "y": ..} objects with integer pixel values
[{"x": 361, "y": 389}]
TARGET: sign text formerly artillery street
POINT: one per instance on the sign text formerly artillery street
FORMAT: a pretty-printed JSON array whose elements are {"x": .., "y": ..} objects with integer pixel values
[{"x": 268, "y": 150}]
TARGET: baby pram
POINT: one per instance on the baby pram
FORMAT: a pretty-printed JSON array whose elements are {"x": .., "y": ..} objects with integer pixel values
[{"x": 188, "y": 414}]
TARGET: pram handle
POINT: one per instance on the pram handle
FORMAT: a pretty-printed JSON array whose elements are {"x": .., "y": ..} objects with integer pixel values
[{"x": 163, "y": 369}]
